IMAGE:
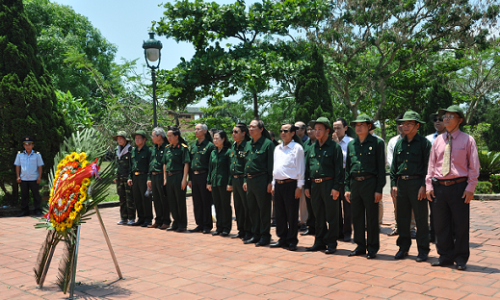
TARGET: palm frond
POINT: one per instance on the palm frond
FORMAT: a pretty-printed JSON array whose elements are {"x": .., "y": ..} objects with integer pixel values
[{"x": 50, "y": 243}]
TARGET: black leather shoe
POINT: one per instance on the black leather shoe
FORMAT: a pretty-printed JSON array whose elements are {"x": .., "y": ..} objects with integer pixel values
[
  {"x": 237, "y": 236},
  {"x": 421, "y": 257},
  {"x": 461, "y": 267},
  {"x": 357, "y": 253},
  {"x": 315, "y": 248},
  {"x": 308, "y": 232},
  {"x": 197, "y": 229},
  {"x": 206, "y": 231},
  {"x": 262, "y": 243},
  {"x": 401, "y": 254},
  {"x": 215, "y": 233},
  {"x": 145, "y": 224},
  {"x": 347, "y": 238},
  {"x": 371, "y": 255},
  {"x": 224, "y": 233},
  {"x": 394, "y": 232},
  {"x": 38, "y": 212},
  {"x": 303, "y": 227},
  {"x": 247, "y": 236},
  {"x": 278, "y": 245},
  {"x": 138, "y": 223},
  {"x": 180, "y": 229},
  {"x": 441, "y": 263},
  {"x": 413, "y": 234},
  {"x": 292, "y": 247},
  {"x": 330, "y": 250},
  {"x": 273, "y": 223},
  {"x": 250, "y": 241},
  {"x": 24, "y": 214},
  {"x": 171, "y": 228}
]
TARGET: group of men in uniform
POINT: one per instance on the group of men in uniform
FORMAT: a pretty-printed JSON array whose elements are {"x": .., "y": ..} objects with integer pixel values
[{"x": 333, "y": 180}]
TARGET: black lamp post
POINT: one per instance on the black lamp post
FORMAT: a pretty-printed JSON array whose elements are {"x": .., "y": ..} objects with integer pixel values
[{"x": 152, "y": 54}]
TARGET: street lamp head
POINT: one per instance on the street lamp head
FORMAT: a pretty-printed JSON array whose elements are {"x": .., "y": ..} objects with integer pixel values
[{"x": 152, "y": 51}]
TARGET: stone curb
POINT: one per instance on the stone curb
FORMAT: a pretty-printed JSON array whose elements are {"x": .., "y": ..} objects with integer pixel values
[{"x": 487, "y": 197}]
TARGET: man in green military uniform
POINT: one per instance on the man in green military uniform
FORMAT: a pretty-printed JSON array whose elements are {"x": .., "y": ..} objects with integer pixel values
[
  {"x": 323, "y": 181},
  {"x": 311, "y": 220},
  {"x": 155, "y": 180},
  {"x": 408, "y": 171},
  {"x": 258, "y": 182},
  {"x": 237, "y": 171},
  {"x": 123, "y": 159},
  {"x": 138, "y": 177},
  {"x": 175, "y": 171},
  {"x": 202, "y": 198},
  {"x": 364, "y": 181}
]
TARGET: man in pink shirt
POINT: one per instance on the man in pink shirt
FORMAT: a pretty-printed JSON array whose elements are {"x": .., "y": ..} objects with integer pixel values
[{"x": 451, "y": 180}]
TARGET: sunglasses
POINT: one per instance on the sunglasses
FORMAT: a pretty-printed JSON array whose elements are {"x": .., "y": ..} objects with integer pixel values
[
  {"x": 438, "y": 119},
  {"x": 284, "y": 131},
  {"x": 235, "y": 131}
]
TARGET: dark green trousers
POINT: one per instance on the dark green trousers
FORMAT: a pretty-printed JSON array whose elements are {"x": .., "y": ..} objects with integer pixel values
[
  {"x": 177, "y": 200},
  {"x": 240, "y": 207},
  {"x": 407, "y": 200},
  {"x": 326, "y": 211},
  {"x": 127, "y": 205},
  {"x": 142, "y": 203},
  {"x": 223, "y": 209},
  {"x": 162, "y": 211},
  {"x": 363, "y": 202},
  {"x": 259, "y": 207}
]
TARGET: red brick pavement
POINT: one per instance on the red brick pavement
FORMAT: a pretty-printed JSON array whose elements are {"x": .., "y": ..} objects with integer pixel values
[{"x": 167, "y": 265}]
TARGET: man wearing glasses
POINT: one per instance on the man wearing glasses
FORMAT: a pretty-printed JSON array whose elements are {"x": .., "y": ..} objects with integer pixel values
[
  {"x": 237, "y": 156},
  {"x": 303, "y": 212},
  {"x": 288, "y": 179},
  {"x": 408, "y": 171},
  {"x": 451, "y": 179}
]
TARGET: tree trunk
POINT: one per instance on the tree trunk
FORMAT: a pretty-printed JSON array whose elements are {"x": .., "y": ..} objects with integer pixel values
[
  {"x": 382, "y": 128},
  {"x": 255, "y": 106}
]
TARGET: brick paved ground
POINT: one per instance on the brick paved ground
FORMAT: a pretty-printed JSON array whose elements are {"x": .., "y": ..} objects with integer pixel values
[{"x": 166, "y": 265}]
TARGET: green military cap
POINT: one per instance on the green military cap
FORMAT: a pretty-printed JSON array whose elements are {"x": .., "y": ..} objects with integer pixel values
[
  {"x": 322, "y": 120},
  {"x": 453, "y": 109},
  {"x": 411, "y": 116},
  {"x": 121, "y": 133},
  {"x": 140, "y": 132},
  {"x": 363, "y": 119}
]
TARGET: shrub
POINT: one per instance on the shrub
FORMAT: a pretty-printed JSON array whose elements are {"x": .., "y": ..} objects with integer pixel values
[
  {"x": 495, "y": 181},
  {"x": 484, "y": 187},
  {"x": 490, "y": 164}
]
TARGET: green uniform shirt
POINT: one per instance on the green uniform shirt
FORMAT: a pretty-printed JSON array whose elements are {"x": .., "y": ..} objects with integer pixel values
[
  {"x": 200, "y": 155},
  {"x": 175, "y": 157},
  {"x": 307, "y": 144},
  {"x": 140, "y": 160},
  {"x": 157, "y": 159},
  {"x": 260, "y": 157},
  {"x": 410, "y": 158},
  {"x": 123, "y": 165},
  {"x": 238, "y": 155},
  {"x": 218, "y": 168},
  {"x": 367, "y": 158},
  {"x": 324, "y": 161}
]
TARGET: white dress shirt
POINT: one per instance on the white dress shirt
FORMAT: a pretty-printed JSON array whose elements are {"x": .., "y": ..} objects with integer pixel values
[
  {"x": 432, "y": 137},
  {"x": 289, "y": 163},
  {"x": 343, "y": 144},
  {"x": 390, "y": 148}
]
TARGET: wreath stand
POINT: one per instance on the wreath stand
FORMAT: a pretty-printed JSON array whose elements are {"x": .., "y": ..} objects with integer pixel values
[{"x": 75, "y": 257}]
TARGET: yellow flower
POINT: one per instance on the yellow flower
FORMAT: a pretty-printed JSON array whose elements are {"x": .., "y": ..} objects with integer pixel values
[
  {"x": 83, "y": 190},
  {"x": 78, "y": 207},
  {"x": 83, "y": 156},
  {"x": 74, "y": 156},
  {"x": 62, "y": 227},
  {"x": 84, "y": 163},
  {"x": 69, "y": 223},
  {"x": 86, "y": 182},
  {"x": 72, "y": 215},
  {"x": 83, "y": 197}
]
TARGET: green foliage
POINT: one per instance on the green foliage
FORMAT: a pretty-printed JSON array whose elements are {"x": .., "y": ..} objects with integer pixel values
[
  {"x": 28, "y": 104},
  {"x": 61, "y": 30},
  {"x": 495, "y": 181},
  {"x": 484, "y": 187},
  {"x": 312, "y": 89},
  {"x": 74, "y": 110},
  {"x": 477, "y": 132},
  {"x": 437, "y": 98},
  {"x": 490, "y": 164}
]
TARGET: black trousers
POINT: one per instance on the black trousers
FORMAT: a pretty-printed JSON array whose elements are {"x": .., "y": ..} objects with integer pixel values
[
  {"x": 241, "y": 207},
  {"x": 311, "y": 219},
  {"x": 451, "y": 223},
  {"x": 287, "y": 212},
  {"x": 202, "y": 201},
  {"x": 345, "y": 219},
  {"x": 26, "y": 186}
]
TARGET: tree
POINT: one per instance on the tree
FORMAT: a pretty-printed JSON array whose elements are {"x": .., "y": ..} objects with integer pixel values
[
  {"x": 61, "y": 30},
  {"x": 368, "y": 42},
  {"x": 28, "y": 104},
  {"x": 312, "y": 89},
  {"x": 251, "y": 58},
  {"x": 437, "y": 98}
]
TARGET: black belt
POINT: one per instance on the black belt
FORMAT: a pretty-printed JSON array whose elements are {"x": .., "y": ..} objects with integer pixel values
[
  {"x": 320, "y": 180},
  {"x": 363, "y": 178},
  {"x": 199, "y": 172},
  {"x": 449, "y": 182},
  {"x": 286, "y": 181},
  {"x": 173, "y": 173},
  {"x": 409, "y": 177},
  {"x": 251, "y": 176},
  {"x": 139, "y": 173},
  {"x": 156, "y": 173},
  {"x": 238, "y": 175}
]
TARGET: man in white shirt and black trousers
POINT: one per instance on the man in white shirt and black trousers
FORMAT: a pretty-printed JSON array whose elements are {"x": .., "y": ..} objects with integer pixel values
[{"x": 288, "y": 180}]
